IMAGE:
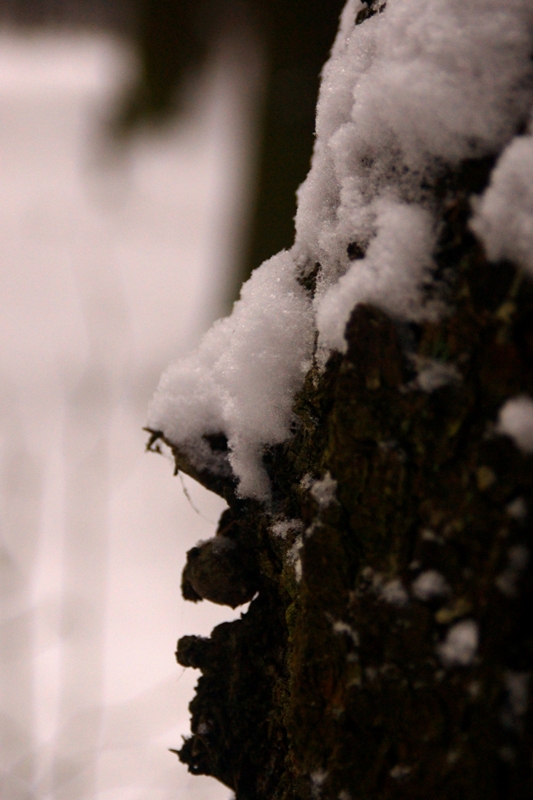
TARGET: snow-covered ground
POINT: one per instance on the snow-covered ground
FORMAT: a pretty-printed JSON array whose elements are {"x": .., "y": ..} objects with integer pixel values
[{"x": 110, "y": 267}]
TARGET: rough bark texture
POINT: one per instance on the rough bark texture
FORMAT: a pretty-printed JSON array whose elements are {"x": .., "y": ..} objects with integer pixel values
[{"x": 331, "y": 685}]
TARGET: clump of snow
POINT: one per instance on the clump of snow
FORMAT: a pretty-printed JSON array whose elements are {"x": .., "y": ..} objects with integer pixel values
[
  {"x": 432, "y": 374},
  {"x": 516, "y": 420},
  {"x": 203, "y": 729},
  {"x": 307, "y": 481},
  {"x": 424, "y": 84},
  {"x": 460, "y": 645},
  {"x": 317, "y": 780},
  {"x": 410, "y": 92},
  {"x": 503, "y": 217},
  {"x": 282, "y": 527},
  {"x": 324, "y": 490},
  {"x": 518, "y": 559},
  {"x": 430, "y": 584},
  {"x": 390, "y": 275},
  {"x": 241, "y": 380},
  {"x": 342, "y": 627},
  {"x": 294, "y": 559},
  {"x": 393, "y": 592}
]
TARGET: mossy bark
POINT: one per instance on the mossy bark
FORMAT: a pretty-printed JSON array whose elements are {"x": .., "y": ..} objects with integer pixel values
[{"x": 332, "y": 684}]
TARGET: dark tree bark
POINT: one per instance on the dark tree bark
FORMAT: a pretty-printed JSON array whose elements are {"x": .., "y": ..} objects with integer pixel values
[{"x": 339, "y": 683}]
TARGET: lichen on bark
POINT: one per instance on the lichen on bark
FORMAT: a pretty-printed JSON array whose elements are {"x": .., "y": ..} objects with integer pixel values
[{"x": 336, "y": 682}]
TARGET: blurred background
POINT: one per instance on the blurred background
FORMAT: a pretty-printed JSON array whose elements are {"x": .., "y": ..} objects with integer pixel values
[{"x": 149, "y": 156}]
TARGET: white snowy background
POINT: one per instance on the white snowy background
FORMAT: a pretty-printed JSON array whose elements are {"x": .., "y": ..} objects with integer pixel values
[{"x": 110, "y": 268}]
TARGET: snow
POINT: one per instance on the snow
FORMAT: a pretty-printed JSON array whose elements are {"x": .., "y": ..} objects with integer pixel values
[
  {"x": 412, "y": 90},
  {"x": 392, "y": 592},
  {"x": 432, "y": 373},
  {"x": 339, "y": 626},
  {"x": 281, "y": 527},
  {"x": 503, "y": 217},
  {"x": 294, "y": 558},
  {"x": 515, "y": 419},
  {"x": 416, "y": 87},
  {"x": 317, "y": 779},
  {"x": 325, "y": 490},
  {"x": 460, "y": 645},
  {"x": 396, "y": 262},
  {"x": 242, "y": 378},
  {"x": 430, "y": 584}
]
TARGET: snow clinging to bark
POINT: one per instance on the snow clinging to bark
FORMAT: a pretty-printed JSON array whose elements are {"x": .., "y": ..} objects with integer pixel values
[
  {"x": 241, "y": 380},
  {"x": 413, "y": 90},
  {"x": 515, "y": 419},
  {"x": 504, "y": 215},
  {"x": 422, "y": 85}
]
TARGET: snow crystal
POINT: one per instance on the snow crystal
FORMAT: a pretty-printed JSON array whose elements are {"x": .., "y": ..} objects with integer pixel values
[
  {"x": 324, "y": 490},
  {"x": 406, "y": 94},
  {"x": 504, "y": 215},
  {"x": 516, "y": 420},
  {"x": 460, "y": 644},
  {"x": 241, "y": 380},
  {"x": 430, "y": 584}
]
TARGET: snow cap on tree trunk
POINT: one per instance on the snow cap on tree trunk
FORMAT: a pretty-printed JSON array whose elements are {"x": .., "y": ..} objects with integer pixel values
[{"x": 416, "y": 88}]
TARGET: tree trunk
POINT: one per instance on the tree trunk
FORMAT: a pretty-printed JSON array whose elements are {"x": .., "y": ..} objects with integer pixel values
[{"x": 387, "y": 651}]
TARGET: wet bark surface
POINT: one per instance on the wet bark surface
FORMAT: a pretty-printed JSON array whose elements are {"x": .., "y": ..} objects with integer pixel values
[{"x": 338, "y": 681}]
